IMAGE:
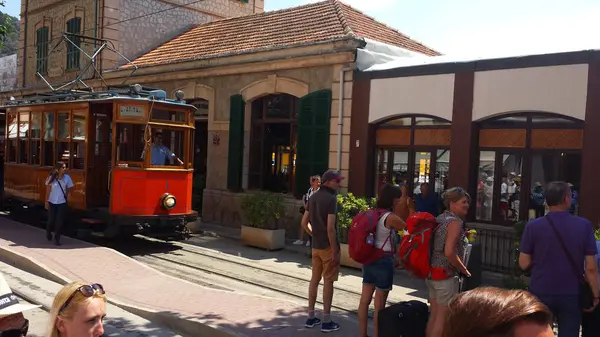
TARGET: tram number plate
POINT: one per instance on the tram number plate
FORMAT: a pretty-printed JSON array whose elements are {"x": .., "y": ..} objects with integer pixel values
[{"x": 131, "y": 111}]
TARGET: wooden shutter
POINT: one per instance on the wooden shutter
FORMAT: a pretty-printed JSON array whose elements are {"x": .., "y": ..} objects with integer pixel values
[
  {"x": 312, "y": 152},
  {"x": 236, "y": 143}
]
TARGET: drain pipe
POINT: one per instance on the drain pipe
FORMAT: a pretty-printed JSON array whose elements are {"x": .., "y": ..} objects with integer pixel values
[{"x": 341, "y": 117}]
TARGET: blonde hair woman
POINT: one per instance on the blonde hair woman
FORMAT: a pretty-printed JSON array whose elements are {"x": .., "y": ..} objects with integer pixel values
[{"x": 78, "y": 311}]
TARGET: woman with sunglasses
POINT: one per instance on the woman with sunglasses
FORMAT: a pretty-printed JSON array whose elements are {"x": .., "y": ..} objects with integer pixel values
[
  {"x": 78, "y": 310},
  {"x": 315, "y": 184}
]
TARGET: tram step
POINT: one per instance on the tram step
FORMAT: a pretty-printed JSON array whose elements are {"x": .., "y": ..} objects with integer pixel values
[{"x": 92, "y": 221}]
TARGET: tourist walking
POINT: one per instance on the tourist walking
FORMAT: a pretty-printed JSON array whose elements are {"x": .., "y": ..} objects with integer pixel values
[
  {"x": 555, "y": 247},
  {"x": 449, "y": 245},
  {"x": 58, "y": 189},
  {"x": 321, "y": 213},
  {"x": 315, "y": 183}
]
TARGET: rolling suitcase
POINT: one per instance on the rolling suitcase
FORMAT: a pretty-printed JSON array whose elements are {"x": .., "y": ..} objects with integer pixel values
[{"x": 404, "y": 319}]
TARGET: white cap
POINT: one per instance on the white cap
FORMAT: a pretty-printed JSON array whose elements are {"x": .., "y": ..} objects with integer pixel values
[{"x": 9, "y": 303}]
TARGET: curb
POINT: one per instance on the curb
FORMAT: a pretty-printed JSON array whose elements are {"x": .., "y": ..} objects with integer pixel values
[{"x": 187, "y": 325}]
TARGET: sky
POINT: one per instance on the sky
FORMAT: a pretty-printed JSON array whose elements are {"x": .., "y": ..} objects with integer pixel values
[{"x": 476, "y": 27}]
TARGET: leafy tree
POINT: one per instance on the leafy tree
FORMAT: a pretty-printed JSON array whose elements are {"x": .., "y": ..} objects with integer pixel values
[{"x": 9, "y": 33}]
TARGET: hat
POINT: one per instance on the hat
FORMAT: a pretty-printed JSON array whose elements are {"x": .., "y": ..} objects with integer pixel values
[
  {"x": 9, "y": 303},
  {"x": 331, "y": 175}
]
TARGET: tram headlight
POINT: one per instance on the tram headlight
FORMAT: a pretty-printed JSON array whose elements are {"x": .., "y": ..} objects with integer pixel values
[{"x": 169, "y": 201}]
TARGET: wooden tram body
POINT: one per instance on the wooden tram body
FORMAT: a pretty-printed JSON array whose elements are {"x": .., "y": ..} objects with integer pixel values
[{"x": 106, "y": 140}]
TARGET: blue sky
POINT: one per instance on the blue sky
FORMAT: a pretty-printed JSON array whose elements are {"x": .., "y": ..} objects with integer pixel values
[{"x": 477, "y": 27}]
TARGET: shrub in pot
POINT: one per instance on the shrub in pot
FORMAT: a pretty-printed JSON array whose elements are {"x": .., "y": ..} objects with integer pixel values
[{"x": 262, "y": 212}]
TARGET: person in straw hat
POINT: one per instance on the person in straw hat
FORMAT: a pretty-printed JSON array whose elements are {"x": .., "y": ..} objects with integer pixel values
[{"x": 12, "y": 321}]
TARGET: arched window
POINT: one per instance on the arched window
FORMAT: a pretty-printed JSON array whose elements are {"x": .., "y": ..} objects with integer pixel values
[
  {"x": 413, "y": 150},
  {"x": 518, "y": 155}
]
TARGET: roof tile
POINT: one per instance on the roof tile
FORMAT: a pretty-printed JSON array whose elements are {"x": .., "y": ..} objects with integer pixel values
[{"x": 324, "y": 21}]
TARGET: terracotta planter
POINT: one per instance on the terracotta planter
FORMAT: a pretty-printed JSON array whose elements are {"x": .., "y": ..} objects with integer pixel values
[
  {"x": 345, "y": 259},
  {"x": 263, "y": 238}
]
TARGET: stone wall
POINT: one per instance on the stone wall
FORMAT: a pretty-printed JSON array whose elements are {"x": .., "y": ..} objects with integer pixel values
[{"x": 8, "y": 72}]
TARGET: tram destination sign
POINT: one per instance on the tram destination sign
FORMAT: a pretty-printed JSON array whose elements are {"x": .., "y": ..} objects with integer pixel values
[{"x": 131, "y": 111}]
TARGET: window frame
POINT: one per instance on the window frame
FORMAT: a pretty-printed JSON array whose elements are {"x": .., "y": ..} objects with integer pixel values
[
  {"x": 32, "y": 140},
  {"x": 73, "y": 54},
  {"x": 42, "y": 49},
  {"x": 527, "y": 153}
]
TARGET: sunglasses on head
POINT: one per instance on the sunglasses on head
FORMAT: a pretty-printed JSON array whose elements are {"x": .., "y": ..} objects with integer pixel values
[
  {"x": 86, "y": 290},
  {"x": 16, "y": 332}
]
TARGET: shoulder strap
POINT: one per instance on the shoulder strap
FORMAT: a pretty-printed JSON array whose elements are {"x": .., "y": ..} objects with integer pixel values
[
  {"x": 564, "y": 248},
  {"x": 63, "y": 191}
]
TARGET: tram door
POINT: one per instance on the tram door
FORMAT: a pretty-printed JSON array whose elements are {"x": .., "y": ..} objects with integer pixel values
[{"x": 99, "y": 170}]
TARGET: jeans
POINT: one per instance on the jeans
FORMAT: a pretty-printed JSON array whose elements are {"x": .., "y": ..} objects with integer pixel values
[
  {"x": 380, "y": 273},
  {"x": 56, "y": 220},
  {"x": 566, "y": 311}
]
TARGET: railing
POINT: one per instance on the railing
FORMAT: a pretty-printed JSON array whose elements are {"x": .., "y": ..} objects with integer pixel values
[{"x": 498, "y": 248}]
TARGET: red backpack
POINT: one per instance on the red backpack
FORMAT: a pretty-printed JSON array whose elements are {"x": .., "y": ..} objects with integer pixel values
[
  {"x": 416, "y": 246},
  {"x": 361, "y": 237}
]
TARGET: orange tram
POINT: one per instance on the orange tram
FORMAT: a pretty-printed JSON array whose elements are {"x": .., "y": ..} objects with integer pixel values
[{"x": 128, "y": 151}]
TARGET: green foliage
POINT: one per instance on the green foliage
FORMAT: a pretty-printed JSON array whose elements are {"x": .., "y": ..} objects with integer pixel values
[
  {"x": 597, "y": 234},
  {"x": 517, "y": 278},
  {"x": 349, "y": 206},
  {"x": 262, "y": 209},
  {"x": 9, "y": 33},
  {"x": 198, "y": 185}
]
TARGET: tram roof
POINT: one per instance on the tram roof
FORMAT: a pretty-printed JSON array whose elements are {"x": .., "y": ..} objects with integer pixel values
[{"x": 126, "y": 92}]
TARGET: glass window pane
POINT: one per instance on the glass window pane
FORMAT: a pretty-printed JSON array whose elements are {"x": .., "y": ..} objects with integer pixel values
[
  {"x": 130, "y": 144},
  {"x": 62, "y": 152},
  {"x": 12, "y": 151},
  {"x": 512, "y": 168},
  {"x": 34, "y": 149},
  {"x": 442, "y": 165},
  {"x": 167, "y": 115},
  {"x": 429, "y": 121},
  {"x": 506, "y": 121},
  {"x": 49, "y": 126},
  {"x": 24, "y": 125},
  {"x": 404, "y": 121},
  {"x": 571, "y": 173},
  {"x": 36, "y": 125},
  {"x": 551, "y": 120},
  {"x": 399, "y": 167},
  {"x": 79, "y": 126},
  {"x": 13, "y": 129},
  {"x": 485, "y": 185},
  {"x": 381, "y": 169},
  {"x": 78, "y": 153},
  {"x": 422, "y": 169},
  {"x": 278, "y": 106},
  {"x": 64, "y": 131},
  {"x": 48, "y": 148},
  {"x": 167, "y": 147}
]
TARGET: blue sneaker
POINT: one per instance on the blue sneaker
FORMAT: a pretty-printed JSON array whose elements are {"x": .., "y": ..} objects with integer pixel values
[
  {"x": 311, "y": 322},
  {"x": 330, "y": 327}
]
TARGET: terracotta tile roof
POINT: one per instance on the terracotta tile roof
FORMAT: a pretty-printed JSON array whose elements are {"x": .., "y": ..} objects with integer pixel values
[{"x": 320, "y": 22}]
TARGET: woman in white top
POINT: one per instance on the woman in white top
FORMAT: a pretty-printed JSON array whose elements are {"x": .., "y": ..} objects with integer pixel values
[
  {"x": 58, "y": 188},
  {"x": 378, "y": 277}
]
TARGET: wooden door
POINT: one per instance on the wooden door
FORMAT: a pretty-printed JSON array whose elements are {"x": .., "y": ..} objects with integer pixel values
[{"x": 99, "y": 169}]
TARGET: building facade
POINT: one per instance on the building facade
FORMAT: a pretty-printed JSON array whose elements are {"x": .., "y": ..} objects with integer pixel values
[
  {"x": 500, "y": 128},
  {"x": 132, "y": 28}
]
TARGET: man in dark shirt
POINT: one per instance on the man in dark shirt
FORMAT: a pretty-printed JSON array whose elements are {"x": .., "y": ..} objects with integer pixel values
[
  {"x": 321, "y": 212},
  {"x": 427, "y": 201},
  {"x": 553, "y": 279}
]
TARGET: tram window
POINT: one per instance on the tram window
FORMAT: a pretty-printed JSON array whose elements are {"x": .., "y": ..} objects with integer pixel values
[
  {"x": 34, "y": 152},
  {"x": 167, "y": 147},
  {"x": 48, "y": 150},
  {"x": 23, "y": 135},
  {"x": 36, "y": 125},
  {"x": 63, "y": 126},
  {"x": 79, "y": 126},
  {"x": 49, "y": 126},
  {"x": 78, "y": 155},
  {"x": 167, "y": 115},
  {"x": 12, "y": 150},
  {"x": 130, "y": 143},
  {"x": 34, "y": 136},
  {"x": 62, "y": 151}
]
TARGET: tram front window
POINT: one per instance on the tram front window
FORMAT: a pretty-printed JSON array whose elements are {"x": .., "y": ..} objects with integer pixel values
[{"x": 167, "y": 147}]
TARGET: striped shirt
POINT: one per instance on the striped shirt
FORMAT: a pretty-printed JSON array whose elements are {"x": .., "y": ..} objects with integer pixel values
[{"x": 308, "y": 195}]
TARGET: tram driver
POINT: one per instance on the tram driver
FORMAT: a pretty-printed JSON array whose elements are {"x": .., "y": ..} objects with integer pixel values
[{"x": 160, "y": 153}]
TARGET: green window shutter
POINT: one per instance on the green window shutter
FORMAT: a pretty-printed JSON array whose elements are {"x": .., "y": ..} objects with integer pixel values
[
  {"x": 312, "y": 151},
  {"x": 73, "y": 54},
  {"x": 236, "y": 143}
]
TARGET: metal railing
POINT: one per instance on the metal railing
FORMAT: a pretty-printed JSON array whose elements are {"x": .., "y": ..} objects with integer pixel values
[{"x": 498, "y": 247}]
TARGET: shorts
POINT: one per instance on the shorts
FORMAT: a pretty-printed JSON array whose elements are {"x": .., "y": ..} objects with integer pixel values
[
  {"x": 380, "y": 273},
  {"x": 322, "y": 262},
  {"x": 443, "y": 291}
]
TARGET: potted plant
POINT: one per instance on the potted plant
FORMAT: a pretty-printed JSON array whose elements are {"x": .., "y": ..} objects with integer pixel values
[
  {"x": 517, "y": 279},
  {"x": 262, "y": 211},
  {"x": 348, "y": 207}
]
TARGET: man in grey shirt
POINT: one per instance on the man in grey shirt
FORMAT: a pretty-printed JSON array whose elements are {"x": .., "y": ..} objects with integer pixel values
[{"x": 321, "y": 212}]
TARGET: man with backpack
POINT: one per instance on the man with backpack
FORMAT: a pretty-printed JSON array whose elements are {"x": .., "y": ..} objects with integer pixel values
[{"x": 321, "y": 212}]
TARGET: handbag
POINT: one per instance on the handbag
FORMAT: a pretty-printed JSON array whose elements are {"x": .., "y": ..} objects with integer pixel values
[{"x": 586, "y": 296}]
